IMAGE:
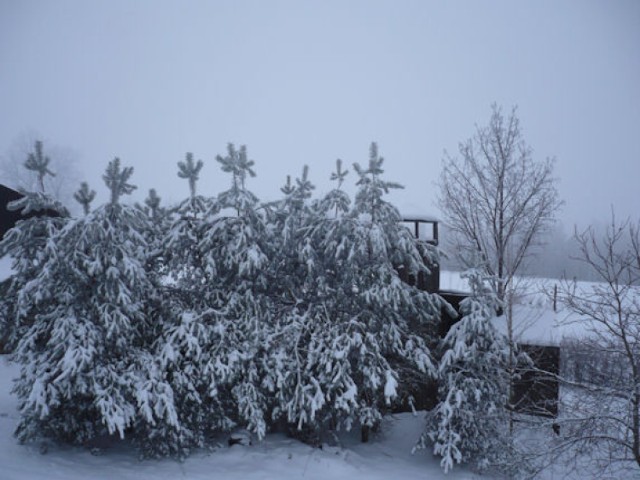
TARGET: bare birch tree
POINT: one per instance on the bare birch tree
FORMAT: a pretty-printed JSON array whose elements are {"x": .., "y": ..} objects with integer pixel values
[
  {"x": 498, "y": 202},
  {"x": 496, "y": 199},
  {"x": 601, "y": 403}
]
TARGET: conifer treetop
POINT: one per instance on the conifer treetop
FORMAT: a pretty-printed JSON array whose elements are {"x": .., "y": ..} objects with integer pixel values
[
  {"x": 302, "y": 189},
  {"x": 288, "y": 188},
  {"x": 370, "y": 176},
  {"x": 337, "y": 200},
  {"x": 39, "y": 164},
  {"x": 190, "y": 170},
  {"x": 339, "y": 175},
  {"x": 304, "y": 186},
  {"x": 238, "y": 164},
  {"x": 297, "y": 195},
  {"x": 116, "y": 180},
  {"x": 153, "y": 200},
  {"x": 84, "y": 196},
  {"x": 372, "y": 187}
]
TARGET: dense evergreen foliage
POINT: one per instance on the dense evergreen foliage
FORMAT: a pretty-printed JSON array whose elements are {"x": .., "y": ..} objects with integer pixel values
[
  {"x": 84, "y": 354},
  {"x": 470, "y": 423},
  {"x": 169, "y": 326},
  {"x": 25, "y": 244}
]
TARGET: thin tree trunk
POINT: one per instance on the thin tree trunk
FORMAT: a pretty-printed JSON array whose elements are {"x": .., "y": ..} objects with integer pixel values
[{"x": 364, "y": 434}]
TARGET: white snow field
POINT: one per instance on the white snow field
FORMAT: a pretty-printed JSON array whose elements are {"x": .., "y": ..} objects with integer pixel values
[{"x": 386, "y": 456}]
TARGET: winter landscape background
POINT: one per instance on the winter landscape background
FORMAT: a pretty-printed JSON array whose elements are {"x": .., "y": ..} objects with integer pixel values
[{"x": 187, "y": 296}]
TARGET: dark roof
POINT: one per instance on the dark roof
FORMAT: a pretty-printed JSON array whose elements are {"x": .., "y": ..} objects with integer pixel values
[{"x": 8, "y": 218}]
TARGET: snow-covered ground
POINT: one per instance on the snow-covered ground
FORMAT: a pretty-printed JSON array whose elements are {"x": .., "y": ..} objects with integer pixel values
[{"x": 387, "y": 456}]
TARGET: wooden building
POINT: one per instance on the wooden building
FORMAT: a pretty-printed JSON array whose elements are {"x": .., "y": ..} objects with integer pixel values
[{"x": 536, "y": 391}]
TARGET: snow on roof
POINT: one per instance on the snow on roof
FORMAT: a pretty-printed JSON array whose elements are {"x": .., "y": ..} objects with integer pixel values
[
  {"x": 415, "y": 211},
  {"x": 540, "y": 325},
  {"x": 535, "y": 322}
]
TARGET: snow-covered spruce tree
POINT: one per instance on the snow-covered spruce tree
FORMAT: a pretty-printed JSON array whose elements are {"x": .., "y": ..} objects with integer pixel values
[
  {"x": 292, "y": 220},
  {"x": 296, "y": 293},
  {"x": 384, "y": 312},
  {"x": 25, "y": 244},
  {"x": 212, "y": 349},
  {"x": 85, "y": 367},
  {"x": 349, "y": 329},
  {"x": 237, "y": 246},
  {"x": 184, "y": 348},
  {"x": 337, "y": 201},
  {"x": 181, "y": 251},
  {"x": 470, "y": 423},
  {"x": 153, "y": 208},
  {"x": 158, "y": 221}
]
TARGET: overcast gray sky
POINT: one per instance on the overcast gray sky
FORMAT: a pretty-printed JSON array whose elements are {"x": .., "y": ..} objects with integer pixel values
[{"x": 303, "y": 82}]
